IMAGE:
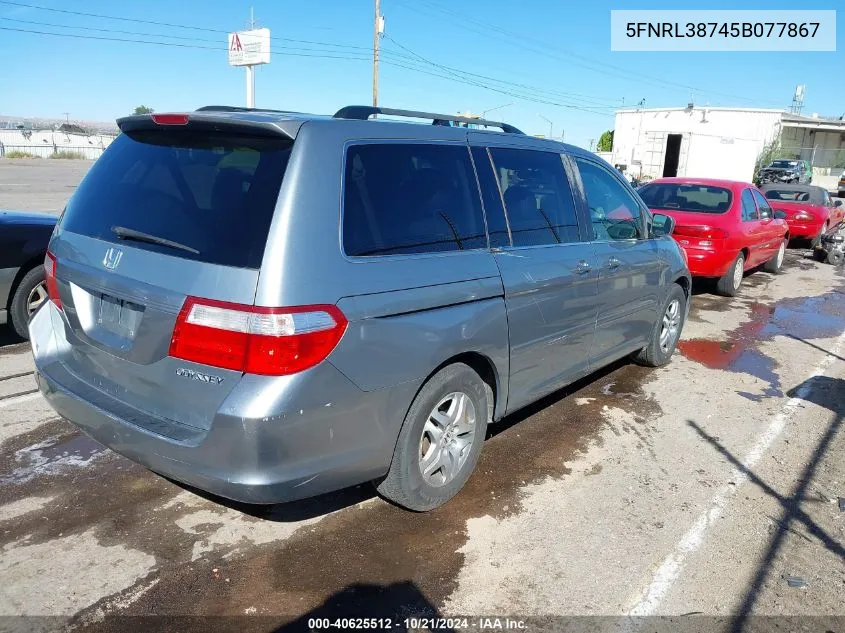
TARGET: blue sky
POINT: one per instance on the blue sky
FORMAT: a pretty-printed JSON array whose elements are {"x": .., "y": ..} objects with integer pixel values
[{"x": 543, "y": 58}]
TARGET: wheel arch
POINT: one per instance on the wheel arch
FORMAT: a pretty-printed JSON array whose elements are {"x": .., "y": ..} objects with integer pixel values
[
  {"x": 31, "y": 263},
  {"x": 486, "y": 370}
]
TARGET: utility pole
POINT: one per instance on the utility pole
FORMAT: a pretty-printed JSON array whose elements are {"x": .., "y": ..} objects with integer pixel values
[
  {"x": 250, "y": 70},
  {"x": 377, "y": 27},
  {"x": 551, "y": 125}
]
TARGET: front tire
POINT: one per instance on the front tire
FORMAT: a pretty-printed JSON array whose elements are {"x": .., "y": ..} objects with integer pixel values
[
  {"x": 440, "y": 440},
  {"x": 774, "y": 265},
  {"x": 729, "y": 283},
  {"x": 667, "y": 331},
  {"x": 29, "y": 295}
]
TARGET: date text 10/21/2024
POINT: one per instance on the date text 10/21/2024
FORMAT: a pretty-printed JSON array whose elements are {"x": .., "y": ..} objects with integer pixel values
[{"x": 417, "y": 623}]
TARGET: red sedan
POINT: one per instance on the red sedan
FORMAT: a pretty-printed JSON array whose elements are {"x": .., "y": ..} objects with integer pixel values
[
  {"x": 725, "y": 227},
  {"x": 810, "y": 210}
]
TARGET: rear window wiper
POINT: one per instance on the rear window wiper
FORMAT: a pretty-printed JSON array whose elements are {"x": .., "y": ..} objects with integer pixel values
[{"x": 130, "y": 234}]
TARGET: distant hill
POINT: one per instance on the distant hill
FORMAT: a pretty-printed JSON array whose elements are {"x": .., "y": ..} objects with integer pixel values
[{"x": 40, "y": 123}]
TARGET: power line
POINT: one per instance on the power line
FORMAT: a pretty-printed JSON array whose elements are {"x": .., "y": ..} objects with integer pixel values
[
  {"x": 167, "y": 24},
  {"x": 585, "y": 62},
  {"x": 176, "y": 44},
  {"x": 571, "y": 96},
  {"x": 492, "y": 89},
  {"x": 158, "y": 35}
]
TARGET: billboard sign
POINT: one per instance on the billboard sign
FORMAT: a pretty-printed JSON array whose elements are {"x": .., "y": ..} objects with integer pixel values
[{"x": 249, "y": 48}]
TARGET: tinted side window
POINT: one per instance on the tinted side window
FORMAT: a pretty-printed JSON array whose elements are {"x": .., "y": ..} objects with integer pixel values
[
  {"x": 497, "y": 226},
  {"x": 762, "y": 205},
  {"x": 537, "y": 196},
  {"x": 749, "y": 209},
  {"x": 410, "y": 198},
  {"x": 615, "y": 212}
]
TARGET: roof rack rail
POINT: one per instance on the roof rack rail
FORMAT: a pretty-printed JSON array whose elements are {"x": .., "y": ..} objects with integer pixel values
[{"x": 363, "y": 113}]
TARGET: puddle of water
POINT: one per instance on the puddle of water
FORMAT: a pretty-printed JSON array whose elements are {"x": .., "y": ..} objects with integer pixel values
[
  {"x": 52, "y": 457},
  {"x": 79, "y": 447},
  {"x": 805, "y": 318}
]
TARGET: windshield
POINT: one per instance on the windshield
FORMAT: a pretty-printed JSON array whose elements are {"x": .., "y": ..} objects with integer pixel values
[
  {"x": 784, "y": 164},
  {"x": 212, "y": 196},
  {"x": 686, "y": 197}
]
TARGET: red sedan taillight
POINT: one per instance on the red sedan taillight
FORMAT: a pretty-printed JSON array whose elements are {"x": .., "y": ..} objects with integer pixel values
[
  {"x": 701, "y": 232},
  {"x": 802, "y": 216},
  {"x": 254, "y": 339},
  {"x": 50, "y": 279}
]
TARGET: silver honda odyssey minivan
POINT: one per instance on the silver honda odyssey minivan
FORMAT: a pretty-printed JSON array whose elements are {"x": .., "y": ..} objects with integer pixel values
[{"x": 269, "y": 305}]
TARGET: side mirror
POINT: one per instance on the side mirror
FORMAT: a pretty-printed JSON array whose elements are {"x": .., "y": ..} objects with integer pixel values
[
  {"x": 662, "y": 225},
  {"x": 780, "y": 215},
  {"x": 837, "y": 203}
]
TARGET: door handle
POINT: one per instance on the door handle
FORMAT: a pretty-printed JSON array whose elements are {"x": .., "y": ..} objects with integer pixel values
[
  {"x": 582, "y": 268},
  {"x": 613, "y": 262}
]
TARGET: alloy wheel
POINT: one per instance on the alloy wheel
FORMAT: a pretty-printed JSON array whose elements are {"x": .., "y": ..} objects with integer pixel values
[
  {"x": 671, "y": 325},
  {"x": 36, "y": 297},
  {"x": 446, "y": 439}
]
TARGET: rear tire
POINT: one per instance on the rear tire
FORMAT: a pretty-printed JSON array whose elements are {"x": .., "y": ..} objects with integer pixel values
[
  {"x": 835, "y": 257},
  {"x": 30, "y": 290},
  {"x": 817, "y": 241},
  {"x": 433, "y": 433},
  {"x": 667, "y": 330},
  {"x": 774, "y": 265},
  {"x": 729, "y": 283}
]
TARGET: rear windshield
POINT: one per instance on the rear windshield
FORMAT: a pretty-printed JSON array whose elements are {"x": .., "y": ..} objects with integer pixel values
[
  {"x": 213, "y": 195},
  {"x": 683, "y": 197},
  {"x": 793, "y": 195}
]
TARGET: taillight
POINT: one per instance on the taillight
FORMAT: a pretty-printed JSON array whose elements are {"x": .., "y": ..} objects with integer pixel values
[
  {"x": 254, "y": 339},
  {"x": 50, "y": 279},
  {"x": 701, "y": 232},
  {"x": 802, "y": 216},
  {"x": 170, "y": 119}
]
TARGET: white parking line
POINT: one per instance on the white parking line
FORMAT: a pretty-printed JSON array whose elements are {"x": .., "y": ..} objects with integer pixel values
[{"x": 673, "y": 564}]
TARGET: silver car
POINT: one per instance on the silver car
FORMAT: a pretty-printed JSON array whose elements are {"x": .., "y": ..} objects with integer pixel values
[{"x": 270, "y": 306}]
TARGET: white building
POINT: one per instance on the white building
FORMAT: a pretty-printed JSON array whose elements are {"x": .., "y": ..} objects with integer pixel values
[{"x": 722, "y": 142}]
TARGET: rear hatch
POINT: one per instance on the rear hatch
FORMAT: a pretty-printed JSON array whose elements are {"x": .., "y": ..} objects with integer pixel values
[
  {"x": 176, "y": 207},
  {"x": 698, "y": 210}
]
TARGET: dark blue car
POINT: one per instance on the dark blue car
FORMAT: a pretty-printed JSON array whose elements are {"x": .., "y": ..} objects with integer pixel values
[{"x": 23, "y": 243}]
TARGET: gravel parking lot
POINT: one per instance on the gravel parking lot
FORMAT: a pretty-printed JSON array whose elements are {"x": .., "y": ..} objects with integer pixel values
[{"x": 705, "y": 488}]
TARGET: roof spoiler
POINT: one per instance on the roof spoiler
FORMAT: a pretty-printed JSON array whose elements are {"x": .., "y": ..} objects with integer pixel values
[{"x": 211, "y": 119}]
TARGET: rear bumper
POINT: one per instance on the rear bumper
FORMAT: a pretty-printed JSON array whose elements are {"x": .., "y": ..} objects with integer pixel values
[
  {"x": 805, "y": 229},
  {"x": 322, "y": 434},
  {"x": 704, "y": 262}
]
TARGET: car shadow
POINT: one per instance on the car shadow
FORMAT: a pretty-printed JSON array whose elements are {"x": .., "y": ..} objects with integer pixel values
[
  {"x": 9, "y": 337},
  {"x": 822, "y": 391}
]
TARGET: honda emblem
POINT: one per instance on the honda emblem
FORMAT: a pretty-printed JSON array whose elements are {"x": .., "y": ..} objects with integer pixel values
[{"x": 112, "y": 258}]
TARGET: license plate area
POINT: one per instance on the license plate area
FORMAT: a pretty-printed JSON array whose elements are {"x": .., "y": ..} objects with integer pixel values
[{"x": 118, "y": 316}]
